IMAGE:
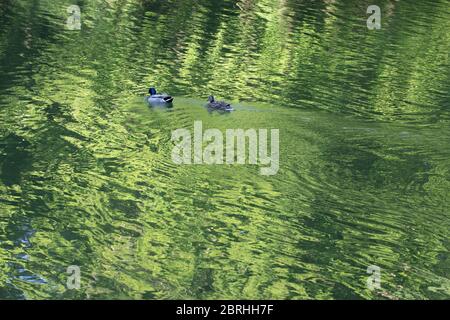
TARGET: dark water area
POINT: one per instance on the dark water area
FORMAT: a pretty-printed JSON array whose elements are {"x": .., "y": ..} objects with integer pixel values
[{"x": 87, "y": 179}]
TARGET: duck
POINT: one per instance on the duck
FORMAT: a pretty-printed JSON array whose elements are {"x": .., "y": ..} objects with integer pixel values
[
  {"x": 218, "y": 105},
  {"x": 158, "y": 98}
]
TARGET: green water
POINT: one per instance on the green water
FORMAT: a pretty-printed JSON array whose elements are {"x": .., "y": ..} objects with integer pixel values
[{"x": 86, "y": 175}]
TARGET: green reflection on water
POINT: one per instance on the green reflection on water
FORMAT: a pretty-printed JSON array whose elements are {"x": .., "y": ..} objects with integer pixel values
[{"x": 86, "y": 176}]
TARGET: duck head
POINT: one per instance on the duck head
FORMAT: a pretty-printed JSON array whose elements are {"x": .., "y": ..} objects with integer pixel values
[
  {"x": 152, "y": 91},
  {"x": 211, "y": 99}
]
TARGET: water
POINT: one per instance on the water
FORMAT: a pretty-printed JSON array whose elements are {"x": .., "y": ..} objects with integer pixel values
[{"x": 87, "y": 179}]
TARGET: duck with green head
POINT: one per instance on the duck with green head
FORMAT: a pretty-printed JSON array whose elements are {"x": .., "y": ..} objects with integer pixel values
[{"x": 158, "y": 98}]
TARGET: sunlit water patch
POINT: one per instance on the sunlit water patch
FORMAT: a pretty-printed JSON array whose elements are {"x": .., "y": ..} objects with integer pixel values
[{"x": 87, "y": 177}]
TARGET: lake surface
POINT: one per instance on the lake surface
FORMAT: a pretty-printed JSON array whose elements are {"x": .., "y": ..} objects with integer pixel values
[{"x": 87, "y": 179}]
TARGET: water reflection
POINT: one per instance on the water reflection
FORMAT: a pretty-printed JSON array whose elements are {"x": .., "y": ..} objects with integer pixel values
[{"x": 87, "y": 178}]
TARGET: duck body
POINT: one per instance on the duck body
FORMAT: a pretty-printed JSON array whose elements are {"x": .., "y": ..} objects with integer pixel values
[
  {"x": 218, "y": 105},
  {"x": 158, "y": 98}
]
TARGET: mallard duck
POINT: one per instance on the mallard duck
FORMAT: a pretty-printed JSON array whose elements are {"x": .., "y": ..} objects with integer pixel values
[
  {"x": 218, "y": 105},
  {"x": 158, "y": 98}
]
